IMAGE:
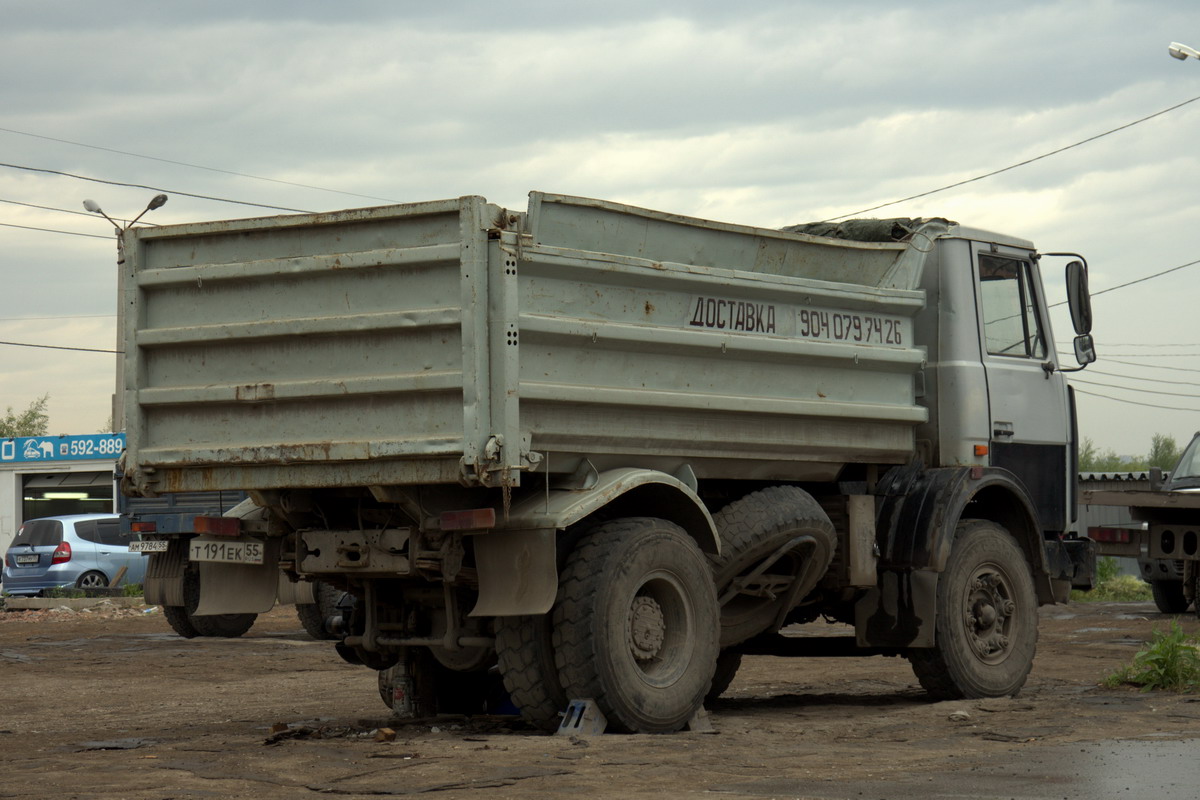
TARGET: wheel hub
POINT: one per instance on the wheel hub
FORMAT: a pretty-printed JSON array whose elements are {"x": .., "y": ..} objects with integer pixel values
[
  {"x": 647, "y": 628},
  {"x": 989, "y": 615}
]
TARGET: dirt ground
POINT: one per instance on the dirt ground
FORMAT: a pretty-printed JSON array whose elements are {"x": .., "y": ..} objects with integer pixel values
[{"x": 111, "y": 704}]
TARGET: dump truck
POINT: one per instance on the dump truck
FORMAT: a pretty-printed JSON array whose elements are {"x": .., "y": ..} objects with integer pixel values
[
  {"x": 603, "y": 451},
  {"x": 1164, "y": 534}
]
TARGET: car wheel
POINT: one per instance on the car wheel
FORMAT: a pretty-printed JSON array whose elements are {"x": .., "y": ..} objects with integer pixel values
[{"x": 91, "y": 580}]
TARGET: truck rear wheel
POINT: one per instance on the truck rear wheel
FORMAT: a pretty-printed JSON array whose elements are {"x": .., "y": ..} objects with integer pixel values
[
  {"x": 526, "y": 658},
  {"x": 635, "y": 625},
  {"x": 1168, "y": 596},
  {"x": 986, "y": 628},
  {"x": 314, "y": 616},
  {"x": 228, "y": 626}
]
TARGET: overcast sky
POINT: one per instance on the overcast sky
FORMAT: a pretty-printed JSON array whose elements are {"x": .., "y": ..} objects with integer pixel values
[{"x": 764, "y": 113}]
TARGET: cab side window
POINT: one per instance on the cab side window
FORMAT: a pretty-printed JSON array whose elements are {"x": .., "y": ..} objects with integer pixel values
[{"x": 1010, "y": 319}]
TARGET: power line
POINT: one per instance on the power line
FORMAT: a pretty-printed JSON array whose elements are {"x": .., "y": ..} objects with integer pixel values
[
  {"x": 64, "y": 210},
  {"x": 1139, "y": 378},
  {"x": 60, "y": 347},
  {"x": 1106, "y": 359},
  {"x": 153, "y": 188},
  {"x": 62, "y": 316},
  {"x": 54, "y": 230},
  {"x": 1132, "y": 389},
  {"x": 1136, "y": 403},
  {"x": 196, "y": 166},
  {"x": 1019, "y": 164}
]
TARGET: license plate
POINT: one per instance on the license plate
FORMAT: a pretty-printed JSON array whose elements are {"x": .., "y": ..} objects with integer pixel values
[
  {"x": 157, "y": 546},
  {"x": 226, "y": 551},
  {"x": 26, "y": 559}
]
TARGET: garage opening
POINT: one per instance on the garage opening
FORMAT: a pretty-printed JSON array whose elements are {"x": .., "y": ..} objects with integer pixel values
[{"x": 58, "y": 493}]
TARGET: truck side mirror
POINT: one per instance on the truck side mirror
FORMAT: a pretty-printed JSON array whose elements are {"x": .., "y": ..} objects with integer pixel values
[
  {"x": 1085, "y": 349},
  {"x": 1080, "y": 302}
]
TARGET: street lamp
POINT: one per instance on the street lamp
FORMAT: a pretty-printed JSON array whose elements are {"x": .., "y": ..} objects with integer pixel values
[
  {"x": 1182, "y": 51},
  {"x": 158, "y": 201}
]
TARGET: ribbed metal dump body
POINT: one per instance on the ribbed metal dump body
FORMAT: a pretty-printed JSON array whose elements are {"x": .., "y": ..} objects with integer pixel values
[{"x": 442, "y": 341}]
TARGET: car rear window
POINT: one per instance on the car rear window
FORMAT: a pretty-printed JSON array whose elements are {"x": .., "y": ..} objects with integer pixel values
[{"x": 40, "y": 533}]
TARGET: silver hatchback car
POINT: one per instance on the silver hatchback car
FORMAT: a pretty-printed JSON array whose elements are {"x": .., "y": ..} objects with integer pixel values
[{"x": 84, "y": 551}]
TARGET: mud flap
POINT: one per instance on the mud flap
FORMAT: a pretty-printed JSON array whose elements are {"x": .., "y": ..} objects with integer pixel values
[
  {"x": 163, "y": 583},
  {"x": 518, "y": 573},
  {"x": 901, "y": 612},
  {"x": 240, "y": 588}
]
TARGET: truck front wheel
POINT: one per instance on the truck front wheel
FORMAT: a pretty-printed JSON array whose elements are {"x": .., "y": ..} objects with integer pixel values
[
  {"x": 636, "y": 624},
  {"x": 986, "y": 629}
]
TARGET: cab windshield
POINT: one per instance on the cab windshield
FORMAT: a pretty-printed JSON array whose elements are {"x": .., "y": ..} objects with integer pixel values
[{"x": 1187, "y": 472}]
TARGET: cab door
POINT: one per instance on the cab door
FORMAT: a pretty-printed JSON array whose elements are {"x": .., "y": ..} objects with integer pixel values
[{"x": 1027, "y": 396}]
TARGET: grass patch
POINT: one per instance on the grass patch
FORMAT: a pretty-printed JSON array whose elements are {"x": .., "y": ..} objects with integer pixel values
[
  {"x": 132, "y": 590},
  {"x": 1113, "y": 588},
  {"x": 64, "y": 592},
  {"x": 1170, "y": 661}
]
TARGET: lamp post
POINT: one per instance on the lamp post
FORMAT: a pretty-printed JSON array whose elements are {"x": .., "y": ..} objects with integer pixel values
[{"x": 1182, "y": 51}]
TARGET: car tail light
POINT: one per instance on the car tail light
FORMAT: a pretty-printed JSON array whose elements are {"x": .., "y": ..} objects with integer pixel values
[
  {"x": 62, "y": 554},
  {"x": 8, "y": 562}
]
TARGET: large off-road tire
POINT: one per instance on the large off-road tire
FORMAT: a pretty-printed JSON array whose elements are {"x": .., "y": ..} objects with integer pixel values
[
  {"x": 177, "y": 617},
  {"x": 228, "y": 626},
  {"x": 1168, "y": 596},
  {"x": 313, "y": 616},
  {"x": 526, "y": 657},
  {"x": 986, "y": 628},
  {"x": 752, "y": 529},
  {"x": 728, "y": 663},
  {"x": 635, "y": 624}
]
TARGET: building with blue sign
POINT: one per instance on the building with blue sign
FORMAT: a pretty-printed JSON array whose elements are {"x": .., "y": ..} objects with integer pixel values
[{"x": 44, "y": 476}]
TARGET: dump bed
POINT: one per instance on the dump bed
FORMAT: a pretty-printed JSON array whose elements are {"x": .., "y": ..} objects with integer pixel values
[{"x": 456, "y": 341}]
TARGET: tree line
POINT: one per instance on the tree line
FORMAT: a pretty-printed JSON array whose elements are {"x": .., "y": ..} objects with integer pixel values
[{"x": 1164, "y": 454}]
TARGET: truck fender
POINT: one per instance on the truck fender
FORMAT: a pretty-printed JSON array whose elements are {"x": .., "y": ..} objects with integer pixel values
[
  {"x": 919, "y": 512},
  {"x": 517, "y": 562}
]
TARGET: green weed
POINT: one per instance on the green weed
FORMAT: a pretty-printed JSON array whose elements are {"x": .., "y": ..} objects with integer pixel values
[
  {"x": 132, "y": 590},
  {"x": 1170, "y": 661},
  {"x": 1116, "y": 589}
]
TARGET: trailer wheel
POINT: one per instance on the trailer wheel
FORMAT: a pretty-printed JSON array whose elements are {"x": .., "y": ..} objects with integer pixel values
[
  {"x": 313, "y": 616},
  {"x": 754, "y": 529},
  {"x": 526, "y": 658},
  {"x": 1168, "y": 596},
  {"x": 986, "y": 628},
  {"x": 228, "y": 626},
  {"x": 636, "y": 624}
]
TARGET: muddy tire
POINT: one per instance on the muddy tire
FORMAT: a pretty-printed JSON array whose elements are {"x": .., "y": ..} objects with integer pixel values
[
  {"x": 752, "y": 529},
  {"x": 313, "y": 616},
  {"x": 177, "y": 617},
  {"x": 728, "y": 663},
  {"x": 1168, "y": 596},
  {"x": 635, "y": 624},
  {"x": 986, "y": 629},
  {"x": 228, "y": 626},
  {"x": 526, "y": 657}
]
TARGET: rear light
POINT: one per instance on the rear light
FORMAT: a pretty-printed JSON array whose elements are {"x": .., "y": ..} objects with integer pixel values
[
  {"x": 8, "y": 562},
  {"x": 1113, "y": 535},
  {"x": 62, "y": 554},
  {"x": 218, "y": 526},
  {"x": 469, "y": 520},
  {"x": 144, "y": 527}
]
